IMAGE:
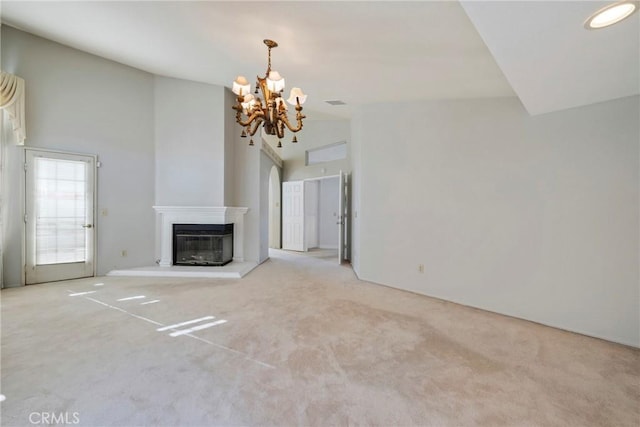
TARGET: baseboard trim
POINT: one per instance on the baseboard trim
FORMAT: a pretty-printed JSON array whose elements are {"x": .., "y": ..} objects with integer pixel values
[{"x": 548, "y": 325}]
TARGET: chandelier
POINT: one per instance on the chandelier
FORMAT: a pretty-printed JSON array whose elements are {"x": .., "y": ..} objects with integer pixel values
[{"x": 270, "y": 111}]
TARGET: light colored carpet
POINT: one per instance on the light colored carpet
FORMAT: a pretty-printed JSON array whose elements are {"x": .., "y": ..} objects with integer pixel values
[{"x": 305, "y": 343}]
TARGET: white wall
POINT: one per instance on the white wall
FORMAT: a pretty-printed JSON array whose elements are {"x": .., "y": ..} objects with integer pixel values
[
  {"x": 356, "y": 189},
  {"x": 315, "y": 133},
  {"x": 251, "y": 189},
  {"x": 328, "y": 213},
  {"x": 246, "y": 190},
  {"x": 189, "y": 143},
  {"x": 161, "y": 141},
  {"x": 275, "y": 210},
  {"x": 534, "y": 217},
  {"x": 230, "y": 127},
  {"x": 262, "y": 238},
  {"x": 81, "y": 103}
]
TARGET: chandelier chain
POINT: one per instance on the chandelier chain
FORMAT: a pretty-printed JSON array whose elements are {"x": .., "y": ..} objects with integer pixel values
[{"x": 269, "y": 62}]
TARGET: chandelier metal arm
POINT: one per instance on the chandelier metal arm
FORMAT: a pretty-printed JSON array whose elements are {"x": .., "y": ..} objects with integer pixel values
[
  {"x": 257, "y": 113},
  {"x": 299, "y": 117},
  {"x": 280, "y": 129},
  {"x": 256, "y": 124}
]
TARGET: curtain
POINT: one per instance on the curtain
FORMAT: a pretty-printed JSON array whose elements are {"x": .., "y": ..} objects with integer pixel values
[
  {"x": 3, "y": 194},
  {"x": 12, "y": 101}
]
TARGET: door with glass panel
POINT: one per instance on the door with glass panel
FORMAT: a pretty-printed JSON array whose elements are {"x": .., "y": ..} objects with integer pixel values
[{"x": 60, "y": 232}]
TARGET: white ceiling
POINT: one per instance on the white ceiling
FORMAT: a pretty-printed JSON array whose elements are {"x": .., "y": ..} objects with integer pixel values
[
  {"x": 359, "y": 52},
  {"x": 551, "y": 61}
]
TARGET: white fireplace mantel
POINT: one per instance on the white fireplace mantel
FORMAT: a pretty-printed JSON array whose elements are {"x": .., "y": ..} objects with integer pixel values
[{"x": 169, "y": 215}]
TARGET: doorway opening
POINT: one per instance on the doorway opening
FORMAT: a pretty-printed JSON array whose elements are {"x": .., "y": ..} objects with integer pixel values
[
  {"x": 314, "y": 217},
  {"x": 322, "y": 214}
]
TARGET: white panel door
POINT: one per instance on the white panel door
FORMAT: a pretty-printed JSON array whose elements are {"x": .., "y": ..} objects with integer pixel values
[
  {"x": 293, "y": 216},
  {"x": 60, "y": 233},
  {"x": 311, "y": 195}
]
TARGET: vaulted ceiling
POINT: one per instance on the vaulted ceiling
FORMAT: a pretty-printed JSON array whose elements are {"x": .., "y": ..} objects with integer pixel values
[
  {"x": 551, "y": 61},
  {"x": 361, "y": 52}
]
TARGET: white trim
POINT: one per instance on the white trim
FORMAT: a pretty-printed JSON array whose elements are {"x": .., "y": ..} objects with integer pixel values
[
  {"x": 504, "y": 313},
  {"x": 225, "y": 210},
  {"x": 23, "y": 275},
  {"x": 271, "y": 153},
  {"x": 325, "y": 147},
  {"x": 319, "y": 178},
  {"x": 234, "y": 270}
]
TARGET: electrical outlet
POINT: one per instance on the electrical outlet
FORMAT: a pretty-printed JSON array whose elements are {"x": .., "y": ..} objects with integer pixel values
[
  {"x": 421, "y": 268},
  {"x": 123, "y": 253}
]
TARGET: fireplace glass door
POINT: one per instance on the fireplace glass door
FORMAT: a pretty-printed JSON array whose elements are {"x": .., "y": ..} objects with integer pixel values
[{"x": 202, "y": 244}]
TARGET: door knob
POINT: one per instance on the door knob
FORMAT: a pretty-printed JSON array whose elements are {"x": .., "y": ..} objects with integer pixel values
[{"x": 87, "y": 226}]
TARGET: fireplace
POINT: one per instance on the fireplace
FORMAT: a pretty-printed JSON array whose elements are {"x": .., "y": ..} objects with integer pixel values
[
  {"x": 167, "y": 216},
  {"x": 202, "y": 244}
]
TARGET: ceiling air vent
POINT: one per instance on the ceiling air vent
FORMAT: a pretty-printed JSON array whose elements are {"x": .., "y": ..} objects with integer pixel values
[{"x": 335, "y": 102}]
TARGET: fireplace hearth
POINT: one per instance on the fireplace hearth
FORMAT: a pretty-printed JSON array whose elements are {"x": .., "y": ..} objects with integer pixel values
[{"x": 202, "y": 244}]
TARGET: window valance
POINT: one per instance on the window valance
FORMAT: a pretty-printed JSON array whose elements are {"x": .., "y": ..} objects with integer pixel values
[{"x": 12, "y": 101}]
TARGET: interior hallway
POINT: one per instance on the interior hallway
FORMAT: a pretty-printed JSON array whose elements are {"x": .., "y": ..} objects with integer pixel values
[{"x": 304, "y": 343}]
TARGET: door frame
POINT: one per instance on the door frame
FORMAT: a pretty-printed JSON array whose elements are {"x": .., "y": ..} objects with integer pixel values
[
  {"x": 342, "y": 206},
  {"x": 322, "y": 178},
  {"x": 343, "y": 217},
  {"x": 275, "y": 209},
  {"x": 96, "y": 165},
  {"x": 311, "y": 218}
]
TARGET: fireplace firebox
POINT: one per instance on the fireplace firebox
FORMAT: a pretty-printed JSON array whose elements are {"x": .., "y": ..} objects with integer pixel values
[{"x": 202, "y": 244}]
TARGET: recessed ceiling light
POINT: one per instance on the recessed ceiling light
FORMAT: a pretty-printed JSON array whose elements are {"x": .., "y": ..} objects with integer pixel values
[{"x": 610, "y": 15}]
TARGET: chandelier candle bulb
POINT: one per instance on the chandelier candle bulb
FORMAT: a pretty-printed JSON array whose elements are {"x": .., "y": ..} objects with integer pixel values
[{"x": 252, "y": 113}]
